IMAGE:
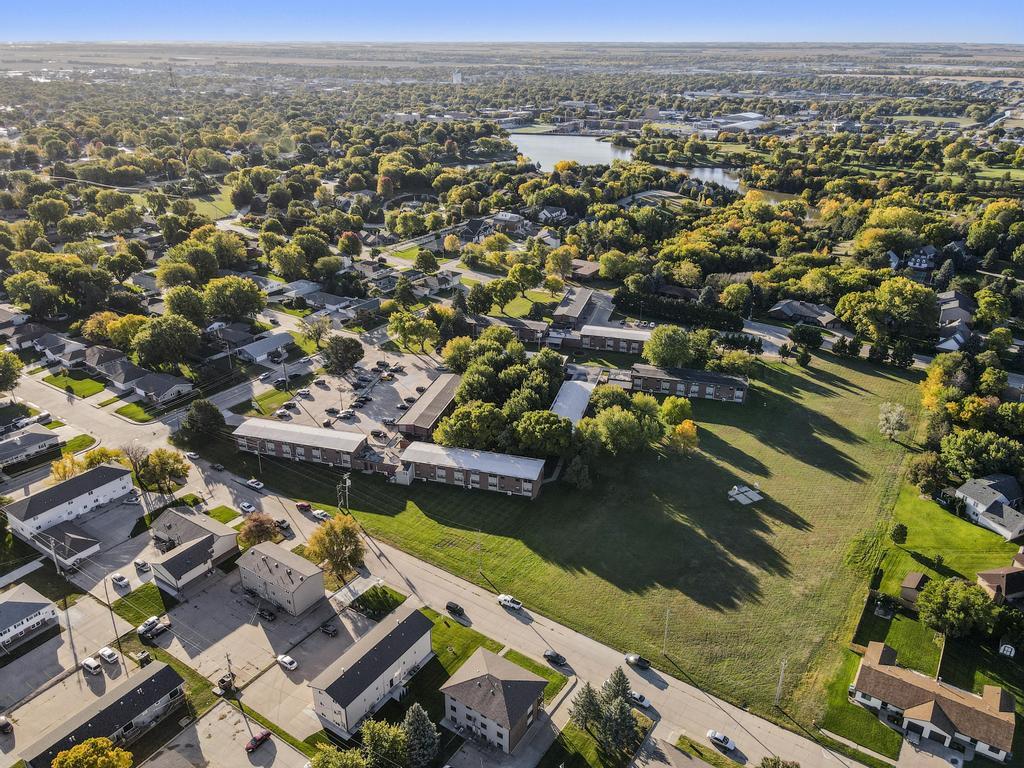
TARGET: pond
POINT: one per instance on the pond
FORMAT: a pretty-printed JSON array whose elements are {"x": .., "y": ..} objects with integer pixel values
[{"x": 546, "y": 150}]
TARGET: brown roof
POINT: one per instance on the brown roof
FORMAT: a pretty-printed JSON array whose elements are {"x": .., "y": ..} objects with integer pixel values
[
  {"x": 914, "y": 580},
  {"x": 1008, "y": 580},
  {"x": 988, "y": 718},
  {"x": 495, "y": 687}
]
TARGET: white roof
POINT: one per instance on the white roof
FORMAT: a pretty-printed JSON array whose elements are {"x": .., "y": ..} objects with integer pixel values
[
  {"x": 572, "y": 400},
  {"x": 474, "y": 461},
  {"x": 337, "y": 439},
  {"x": 267, "y": 345},
  {"x": 614, "y": 332}
]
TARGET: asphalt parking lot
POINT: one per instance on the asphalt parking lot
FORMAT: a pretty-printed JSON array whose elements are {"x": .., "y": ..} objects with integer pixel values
[
  {"x": 218, "y": 739},
  {"x": 285, "y": 697},
  {"x": 220, "y": 619},
  {"x": 57, "y": 703}
]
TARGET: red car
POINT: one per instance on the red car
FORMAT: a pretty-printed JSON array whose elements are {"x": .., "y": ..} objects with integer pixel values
[
  {"x": 303, "y": 506},
  {"x": 255, "y": 741}
]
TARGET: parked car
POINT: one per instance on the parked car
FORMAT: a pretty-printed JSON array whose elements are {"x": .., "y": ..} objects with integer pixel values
[
  {"x": 218, "y": 467},
  {"x": 90, "y": 665},
  {"x": 638, "y": 661},
  {"x": 348, "y": 413},
  {"x": 6, "y": 726},
  {"x": 264, "y": 376},
  {"x": 255, "y": 484},
  {"x": 108, "y": 654},
  {"x": 321, "y": 382},
  {"x": 191, "y": 455},
  {"x": 442, "y": 368},
  {"x": 287, "y": 662},
  {"x": 421, "y": 389},
  {"x": 364, "y": 399},
  {"x": 454, "y": 609},
  {"x": 507, "y": 601},
  {"x": 358, "y": 404},
  {"x": 721, "y": 741},
  {"x": 410, "y": 400},
  {"x": 639, "y": 699},
  {"x": 291, "y": 405},
  {"x": 281, "y": 413},
  {"x": 148, "y": 624},
  {"x": 280, "y": 382},
  {"x": 403, "y": 407},
  {"x": 382, "y": 364},
  {"x": 304, "y": 392},
  {"x": 254, "y": 743},
  {"x": 246, "y": 507},
  {"x": 380, "y": 434},
  {"x": 398, "y": 368},
  {"x": 303, "y": 506},
  {"x": 119, "y": 581},
  {"x": 329, "y": 629},
  {"x": 327, "y": 424},
  {"x": 554, "y": 657},
  {"x": 388, "y": 377},
  {"x": 388, "y": 422},
  {"x": 283, "y": 524},
  {"x": 331, "y": 411},
  {"x": 141, "y": 565},
  {"x": 320, "y": 514},
  {"x": 266, "y": 614}
]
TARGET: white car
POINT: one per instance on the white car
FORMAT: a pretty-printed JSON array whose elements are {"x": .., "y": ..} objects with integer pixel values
[
  {"x": 721, "y": 741},
  {"x": 320, "y": 514},
  {"x": 92, "y": 666},
  {"x": 148, "y": 624},
  {"x": 304, "y": 392},
  {"x": 348, "y": 413},
  {"x": 639, "y": 699},
  {"x": 287, "y": 662},
  {"x": 119, "y": 580},
  {"x": 246, "y": 507},
  {"x": 108, "y": 654},
  {"x": 254, "y": 484},
  {"x": 191, "y": 455},
  {"x": 265, "y": 375},
  {"x": 281, "y": 413},
  {"x": 507, "y": 601}
]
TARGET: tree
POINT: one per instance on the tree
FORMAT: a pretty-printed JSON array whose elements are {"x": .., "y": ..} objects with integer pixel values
[
  {"x": 122, "y": 264},
  {"x": 955, "y": 608},
  {"x": 543, "y": 433},
  {"x": 10, "y": 370},
  {"x": 615, "y": 687},
  {"x": 384, "y": 745},
  {"x": 806, "y": 335},
  {"x": 553, "y": 284},
  {"x": 618, "y": 726},
  {"x": 233, "y": 298},
  {"x": 992, "y": 381},
  {"x": 475, "y": 424},
  {"x": 404, "y": 294},
  {"x": 426, "y": 262},
  {"x": 166, "y": 340},
  {"x": 203, "y": 421},
  {"x": 927, "y": 472},
  {"x": 93, "y": 753},
  {"x": 33, "y": 289},
  {"x": 675, "y": 410},
  {"x": 162, "y": 466},
  {"x": 257, "y": 528},
  {"x": 186, "y": 301},
  {"x": 316, "y": 330},
  {"x": 559, "y": 261},
  {"x": 124, "y": 329},
  {"x": 525, "y": 276},
  {"x": 735, "y": 296},
  {"x": 803, "y": 357},
  {"x": 585, "y": 711},
  {"x": 578, "y": 473},
  {"x": 412, "y": 329},
  {"x": 136, "y": 455},
  {"x": 668, "y": 346},
  {"x": 893, "y": 419},
  {"x": 684, "y": 437},
  {"x": 329, "y": 756},
  {"x": 452, "y": 243},
  {"x": 336, "y": 544},
  {"x": 100, "y": 455},
  {"x": 422, "y": 738},
  {"x": 65, "y": 468},
  {"x": 479, "y": 299},
  {"x": 288, "y": 261},
  {"x": 973, "y": 453},
  {"x": 898, "y": 533},
  {"x": 341, "y": 353}
]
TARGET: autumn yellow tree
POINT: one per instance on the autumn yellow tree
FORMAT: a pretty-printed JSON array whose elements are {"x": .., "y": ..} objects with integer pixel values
[
  {"x": 93, "y": 753},
  {"x": 65, "y": 468},
  {"x": 684, "y": 436}
]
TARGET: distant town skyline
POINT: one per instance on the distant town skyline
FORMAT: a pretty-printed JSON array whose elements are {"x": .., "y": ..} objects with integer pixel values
[{"x": 985, "y": 21}]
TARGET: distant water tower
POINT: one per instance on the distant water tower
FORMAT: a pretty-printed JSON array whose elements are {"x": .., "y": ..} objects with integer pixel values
[{"x": 456, "y": 78}]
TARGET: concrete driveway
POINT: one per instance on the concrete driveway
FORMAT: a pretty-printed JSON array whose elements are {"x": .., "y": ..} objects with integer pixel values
[
  {"x": 219, "y": 619},
  {"x": 285, "y": 697},
  {"x": 90, "y": 630},
  {"x": 218, "y": 739}
]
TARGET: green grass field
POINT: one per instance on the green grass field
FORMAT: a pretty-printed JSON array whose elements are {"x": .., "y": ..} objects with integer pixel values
[
  {"x": 520, "y": 306},
  {"x": 78, "y": 443},
  {"x": 576, "y": 748},
  {"x": 223, "y": 514},
  {"x": 916, "y": 646},
  {"x": 935, "y": 119},
  {"x": 745, "y": 586},
  {"x": 135, "y": 412},
  {"x": 852, "y": 722},
  {"x": 409, "y": 254},
  {"x": 556, "y": 680},
  {"x": 75, "y": 382},
  {"x": 139, "y": 604}
]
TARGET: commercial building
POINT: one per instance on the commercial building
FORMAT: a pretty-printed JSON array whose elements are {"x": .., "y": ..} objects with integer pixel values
[
  {"x": 122, "y": 714},
  {"x": 686, "y": 382},
  {"x": 26, "y": 443},
  {"x": 298, "y": 442},
  {"x": 23, "y": 612},
  {"x": 281, "y": 577},
  {"x": 493, "y": 699},
  {"x": 419, "y": 421},
  {"x": 191, "y": 545},
  {"x": 922, "y": 707},
  {"x": 513, "y": 475},
  {"x": 604, "y": 338},
  {"x": 372, "y": 670}
]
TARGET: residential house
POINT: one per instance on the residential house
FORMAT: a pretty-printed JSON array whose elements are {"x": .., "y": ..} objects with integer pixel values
[
  {"x": 281, "y": 577},
  {"x": 1005, "y": 583},
  {"x": 923, "y": 258},
  {"x": 469, "y": 468},
  {"x": 97, "y": 356},
  {"x": 59, "y": 349},
  {"x": 372, "y": 670},
  {"x": 67, "y": 543},
  {"x": 687, "y": 382},
  {"x": 23, "y": 612},
  {"x": 67, "y": 500},
  {"x": 677, "y": 292},
  {"x": 475, "y": 230},
  {"x": 324, "y": 300},
  {"x": 583, "y": 270},
  {"x": 955, "y": 307},
  {"x": 551, "y": 239},
  {"x": 574, "y": 308},
  {"x": 606, "y": 338},
  {"x": 231, "y": 336},
  {"x": 509, "y": 223},
  {"x": 146, "y": 280},
  {"x": 922, "y": 707},
  {"x": 298, "y": 288},
  {"x": 26, "y": 443},
  {"x": 261, "y": 349},
  {"x": 24, "y": 335},
  {"x": 551, "y": 215},
  {"x": 121, "y": 374},
  {"x": 161, "y": 387},
  {"x": 795, "y": 311},
  {"x": 437, "y": 401},
  {"x": 124, "y": 713},
  {"x": 493, "y": 699},
  {"x": 11, "y": 317},
  {"x": 299, "y": 442},
  {"x": 993, "y": 502},
  {"x": 191, "y": 544}
]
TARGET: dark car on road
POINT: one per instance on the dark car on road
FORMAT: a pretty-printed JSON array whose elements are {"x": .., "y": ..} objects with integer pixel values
[
  {"x": 638, "y": 661},
  {"x": 410, "y": 400},
  {"x": 303, "y": 506},
  {"x": 266, "y": 614},
  {"x": 403, "y": 407},
  {"x": 218, "y": 467},
  {"x": 329, "y": 629},
  {"x": 554, "y": 657},
  {"x": 254, "y": 743},
  {"x": 279, "y": 383},
  {"x": 454, "y": 609}
]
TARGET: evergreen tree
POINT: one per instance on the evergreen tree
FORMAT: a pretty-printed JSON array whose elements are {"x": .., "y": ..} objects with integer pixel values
[
  {"x": 618, "y": 727},
  {"x": 615, "y": 687},
  {"x": 422, "y": 738},
  {"x": 585, "y": 711}
]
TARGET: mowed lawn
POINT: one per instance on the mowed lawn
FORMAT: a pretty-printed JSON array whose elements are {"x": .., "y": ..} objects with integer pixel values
[{"x": 745, "y": 586}]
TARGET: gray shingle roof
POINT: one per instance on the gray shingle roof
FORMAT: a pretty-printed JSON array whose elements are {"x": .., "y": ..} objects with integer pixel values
[
  {"x": 19, "y": 603},
  {"x": 274, "y": 564},
  {"x": 42, "y": 502},
  {"x": 495, "y": 687}
]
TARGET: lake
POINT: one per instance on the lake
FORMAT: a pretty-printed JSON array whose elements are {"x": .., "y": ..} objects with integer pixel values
[{"x": 546, "y": 150}]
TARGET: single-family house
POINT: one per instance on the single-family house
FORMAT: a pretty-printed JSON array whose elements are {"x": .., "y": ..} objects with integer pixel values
[
  {"x": 259, "y": 350},
  {"x": 470, "y": 468},
  {"x": 23, "y": 612},
  {"x": 1005, "y": 583},
  {"x": 11, "y": 316},
  {"x": 923, "y": 259},
  {"x": 795, "y": 311},
  {"x": 161, "y": 387},
  {"x": 551, "y": 214},
  {"x": 97, "y": 356},
  {"x": 281, "y": 577},
  {"x": 439, "y": 398},
  {"x": 121, "y": 374},
  {"x": 372, "y": 670},
  {"x": 508, "y": 223},
  {"x": 127, "y": 710},
  {"x": 955, "y": 307},
  {"x": 493, "y": 699},
  {"x": 67, "y": 543},
  {"x": 299, "y": 442},
  {"x": 922, "y": 707},
  {"x": 191, "y": 545},
  {"x": 993, "y": 502},
  {"x": 24, "y": 335},
  {"x": 26, "y": 443},
  {"x": 324, "y": 300}
]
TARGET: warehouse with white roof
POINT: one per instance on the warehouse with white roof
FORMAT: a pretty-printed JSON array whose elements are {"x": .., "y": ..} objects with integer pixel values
[
  {"x": 299, "y": 442},
  {"x": 512, "y": 475}
]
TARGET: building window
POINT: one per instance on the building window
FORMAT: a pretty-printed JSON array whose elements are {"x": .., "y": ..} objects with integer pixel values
[{"x": 492, "y": 482}]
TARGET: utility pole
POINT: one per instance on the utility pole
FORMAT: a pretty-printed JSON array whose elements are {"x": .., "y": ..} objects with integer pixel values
[
  {"x": 117, "y": 635},
  {"x": 778, "y": 688},
  {"x": 664, "y": 641},
  {"x": 342, "y": 490},
  {"x": 241, "y": 706},
  {"x": 479, "y": 552}
]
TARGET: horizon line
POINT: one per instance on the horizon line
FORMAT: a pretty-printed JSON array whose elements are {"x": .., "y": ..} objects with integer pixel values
[{"x": 254, "y": 41}]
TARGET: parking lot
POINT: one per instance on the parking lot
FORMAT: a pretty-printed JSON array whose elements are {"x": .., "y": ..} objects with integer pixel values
[
  {"x": 285, "y": 697},
  {"x": 221, "y": 619},
  {"x": 60, "y": 701},
  {"x": 90, "y": 630},
  {"x": 218, "y": 739}
]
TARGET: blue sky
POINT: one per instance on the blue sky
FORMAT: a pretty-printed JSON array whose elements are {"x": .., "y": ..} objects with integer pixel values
[{"x": 548, "y": 20}]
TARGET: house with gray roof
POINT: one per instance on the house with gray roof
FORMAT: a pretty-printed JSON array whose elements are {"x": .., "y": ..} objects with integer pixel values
[
  {"x": 23, "y": 612},
  {"x": 120, "y": 373},
  {"x": 281, "y": 577},
  {"x": 795, "y": 311},
  {"x": 26, "y": 443},
  {"x": 493, "y": 699},
  {"x": 260, "y": 349},
  {"x": 67, "y": 542},
  {"x": 993, "y": 502},
  {"x": 192, "y": 544},
  {"x": 161, "y": 387}
]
